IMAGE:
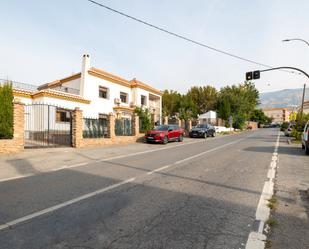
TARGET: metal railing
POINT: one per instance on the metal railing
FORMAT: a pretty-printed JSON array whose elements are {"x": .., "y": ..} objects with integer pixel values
[
  {"x": 34, "y": 88},
  {"x": 20, "y": 85},
  {"x": 95, "y": 128},
  {"x": 66, "y": 89}
]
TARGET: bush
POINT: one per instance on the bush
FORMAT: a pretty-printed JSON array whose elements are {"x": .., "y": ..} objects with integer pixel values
[
  {"x": 284, "y": 126},
  {"x": 297, "y": 134},
  {"x": 6, "y": 111}
]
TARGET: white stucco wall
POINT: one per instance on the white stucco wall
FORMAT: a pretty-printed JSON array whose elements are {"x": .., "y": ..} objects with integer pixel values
[
  {"x": 101, "y": 105},
  {"x": 75, "y": 84}
]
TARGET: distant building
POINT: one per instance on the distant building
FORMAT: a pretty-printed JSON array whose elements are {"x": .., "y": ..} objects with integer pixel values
[
  {"x": 278, "y": 115},
  {"x": 209, "y": 117}
]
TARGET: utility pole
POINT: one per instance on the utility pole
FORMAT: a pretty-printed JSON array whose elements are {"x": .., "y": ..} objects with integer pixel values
[
  {"x": 304, "y": 90},
  {"x": 302, "y": 103}
]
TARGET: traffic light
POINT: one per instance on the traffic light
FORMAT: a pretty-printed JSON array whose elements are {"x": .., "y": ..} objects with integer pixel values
[
  {"x": 256, "y": 75},
  {"x": 249, "y": 75}
]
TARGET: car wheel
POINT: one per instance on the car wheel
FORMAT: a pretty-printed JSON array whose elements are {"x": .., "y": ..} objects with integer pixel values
[
  {"x": 214, "y": 134},
  {"x": 307, "y": 149},
  {"x": 180, "y": 138},
  {"x": 165, "y": 140}
]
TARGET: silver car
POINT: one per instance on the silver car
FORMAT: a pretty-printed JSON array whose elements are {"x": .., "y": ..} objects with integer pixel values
[{"x": 305, "y": 138}]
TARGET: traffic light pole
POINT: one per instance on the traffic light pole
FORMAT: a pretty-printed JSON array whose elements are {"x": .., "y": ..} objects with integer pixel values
[{"x": 296, "y": 69}]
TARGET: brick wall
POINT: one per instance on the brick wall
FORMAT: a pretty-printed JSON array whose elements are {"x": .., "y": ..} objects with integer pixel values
[{"x": 16, "y": 144}]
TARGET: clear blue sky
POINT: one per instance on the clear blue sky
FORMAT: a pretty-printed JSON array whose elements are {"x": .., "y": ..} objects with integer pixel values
[{"x": 44, "y": 40}]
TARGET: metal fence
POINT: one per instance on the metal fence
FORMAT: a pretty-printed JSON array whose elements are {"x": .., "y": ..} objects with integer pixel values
[
  {"x": 123, "y": 127},
  {"x": 95, "y": 128}
]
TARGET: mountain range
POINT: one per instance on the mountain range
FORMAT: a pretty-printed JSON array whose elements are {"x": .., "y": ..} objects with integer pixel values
[{"x": 282, "y": 98}]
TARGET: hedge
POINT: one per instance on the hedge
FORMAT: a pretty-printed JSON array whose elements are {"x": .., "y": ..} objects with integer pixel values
[{"x": 6, "y": 111}]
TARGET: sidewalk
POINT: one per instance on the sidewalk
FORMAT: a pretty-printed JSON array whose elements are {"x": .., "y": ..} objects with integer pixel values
[{"x": 291, "y": 212}]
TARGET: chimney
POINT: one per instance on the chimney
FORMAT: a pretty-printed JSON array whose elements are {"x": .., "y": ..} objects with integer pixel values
[{"x": 84, "y": 73}]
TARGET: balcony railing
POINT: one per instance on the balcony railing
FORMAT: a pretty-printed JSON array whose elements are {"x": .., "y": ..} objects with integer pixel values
[
  {"x": 20, "y": 85},
  {"x": 33, "y": 88},
  {"x": 66, "y": 90}
]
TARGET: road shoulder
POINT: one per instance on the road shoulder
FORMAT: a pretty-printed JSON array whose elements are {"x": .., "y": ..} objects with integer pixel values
[{"x": 289, "y": 220}]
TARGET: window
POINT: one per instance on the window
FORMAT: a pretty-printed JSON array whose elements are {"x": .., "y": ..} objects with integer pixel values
[
  {"x": 63, "y": 116},
  {"x": 103, "y": 92},
  {"x": 124, "y": 97},
  {"x": 143, "y": 100}
]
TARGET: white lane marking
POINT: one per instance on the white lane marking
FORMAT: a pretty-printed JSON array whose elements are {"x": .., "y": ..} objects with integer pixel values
[
  {"x": 110, "y": 158},
  {"x": 15, "y": 177},
  {"x": 159, "y": 169},
  {"x": 148, "y": 151},
  {"x": 100, "y": 191},
  {"x": 64, "y": 204},
  {"x": 195, "y": 156},
  {"x": 256, "y": 239}
]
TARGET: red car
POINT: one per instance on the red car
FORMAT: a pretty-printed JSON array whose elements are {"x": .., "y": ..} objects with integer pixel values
[{"x": 165, "y": 133}]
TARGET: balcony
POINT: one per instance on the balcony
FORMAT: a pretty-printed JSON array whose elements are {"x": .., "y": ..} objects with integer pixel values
[{"x": 34, "y": 88}]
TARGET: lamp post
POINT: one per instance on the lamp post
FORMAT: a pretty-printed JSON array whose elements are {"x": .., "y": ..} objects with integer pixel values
[{"x": 304, "y": 90}]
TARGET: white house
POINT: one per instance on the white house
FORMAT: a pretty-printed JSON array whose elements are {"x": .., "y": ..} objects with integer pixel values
[
  {"x": 208, "y": 117},
  {"x": 96, "y": 93}
]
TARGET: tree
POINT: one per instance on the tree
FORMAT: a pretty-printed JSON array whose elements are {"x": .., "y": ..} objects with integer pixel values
[
  {"x": 145, "y": 118},
  {"x": 204, "y": 97},
  {"x": 224, "y": 109},
  {"x": 259, "y": 116},
  {"x": 6, "y": 111},
  {"x": 187, "y": 108},
  {"x": 170, "y": 103},
  {"x": 242, "y": 100}
]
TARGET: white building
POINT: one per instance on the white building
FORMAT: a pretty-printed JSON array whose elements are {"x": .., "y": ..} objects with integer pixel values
[
  {"x": 209, "y": 117},
  {"x": 96, "y": 93}
]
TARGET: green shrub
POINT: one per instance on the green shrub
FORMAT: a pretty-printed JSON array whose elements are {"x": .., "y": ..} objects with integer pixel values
[
  {"x": 6, "y": 111},
  {"x": 284, "y": 126},
  {"x": 297, "y": 134}
]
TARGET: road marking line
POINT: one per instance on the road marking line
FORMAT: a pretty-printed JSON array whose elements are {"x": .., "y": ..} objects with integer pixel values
[
  {"x": 64, "y": 204},
  {"x": 147, "y": 151},
  {"x": 100, "y": 191},
  {"x": 15, "y": 177},
  {"x": 111, "y": 158},
  {"x": 159, "y": 169},
  {"x": 256, "y": 239}
]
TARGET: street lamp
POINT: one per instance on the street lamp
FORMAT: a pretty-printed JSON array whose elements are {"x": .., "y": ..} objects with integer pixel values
[
  {"x": 296, "y": 39},
  {"x": 304, "y": 90}
]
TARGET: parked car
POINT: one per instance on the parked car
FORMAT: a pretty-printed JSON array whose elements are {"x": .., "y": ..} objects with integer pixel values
[
  {"x": 203, "y": 130},
  {"x": 288, "y": 131},
  {"x": 305, "y": 138},
  {"x": 165, "y": 133}
]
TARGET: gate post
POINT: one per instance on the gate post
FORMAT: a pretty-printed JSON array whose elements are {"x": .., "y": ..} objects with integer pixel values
[
  {"x": 77, "y": 127},
  {"x": 111, "y": 127},
  {"x": 19, "y": 124},
  {"x": 135, "y": 125}
]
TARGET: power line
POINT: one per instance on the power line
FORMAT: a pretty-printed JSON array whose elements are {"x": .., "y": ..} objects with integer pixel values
[{"x": 182, "y": 37}]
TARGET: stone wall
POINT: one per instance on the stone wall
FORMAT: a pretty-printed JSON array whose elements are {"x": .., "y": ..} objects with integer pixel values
[
  {"x": 16, "y": 144},
  {"x": 79, "y": 142}
]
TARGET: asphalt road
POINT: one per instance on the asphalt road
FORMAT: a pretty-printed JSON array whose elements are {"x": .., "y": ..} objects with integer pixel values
[{"x": 198, "y": 195}]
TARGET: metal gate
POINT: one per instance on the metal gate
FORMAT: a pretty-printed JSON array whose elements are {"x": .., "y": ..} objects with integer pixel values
[{"x": 47, "y": 126}]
